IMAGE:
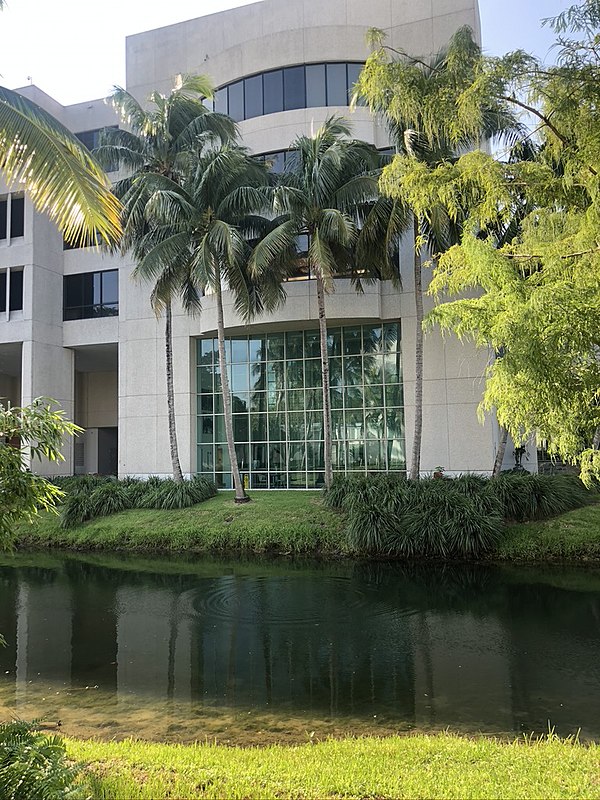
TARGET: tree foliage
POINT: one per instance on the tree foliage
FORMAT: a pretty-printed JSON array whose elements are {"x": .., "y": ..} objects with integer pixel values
[
  {"x": 35, "y": 431},
  {"x": 536, "y": 296}
]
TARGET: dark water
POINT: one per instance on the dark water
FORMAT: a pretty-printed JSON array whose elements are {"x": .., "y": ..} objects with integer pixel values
[{"x": 255, "y": 652}]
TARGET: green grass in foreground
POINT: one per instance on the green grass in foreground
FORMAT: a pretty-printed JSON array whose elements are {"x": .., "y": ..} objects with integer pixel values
[
  {"x": 441, "y": 766},
  {"x": 283, "y": 522},
  {"x": 574, "y": 536}
]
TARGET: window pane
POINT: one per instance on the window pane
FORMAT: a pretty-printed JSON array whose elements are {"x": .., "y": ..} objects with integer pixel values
[
  {"x": 17, "y": 217},
  {"x": 273, "y": 91},
  {"x": 295, "y": 374},
  {"x": 110, "y": 287},
  {"x": 354, "y": 71},
  {"x": 236, "y": 101},
  {"x": 294, "y": 92},
  {"x": 352, "y": 340},
  {"x": 205, "y": 459},
  {"x": 354, "y": 424},
  {"x": 336, "y": 85},
  {"x": 16, "y": 290},
  {"x": 293, "y": 341},
  {"x": 2, "y": 291},
  {"x": 205, "y": 382},
  {"x": 3, "y": 211},
  {"x": 315, "y": 85},
  {"x": 241, "y": 428},
  {"x": 259, "y": 456},
  {"x": 276, "y": 161},
  {"x": 239, "y": 351},
  {"x": 254, "y": 97},
  {"x": 205, "y": 430},
  {"x": 73, "y": 290},
  {"x": 221, "y": 101},
  {"x": 97, "y": 288},
  {"x": 257, "y": 349}
]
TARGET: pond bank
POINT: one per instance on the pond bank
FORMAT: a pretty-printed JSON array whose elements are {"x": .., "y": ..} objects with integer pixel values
[
  {"x": 441, "y": 766},
  {"x": 289, "y": 523}
]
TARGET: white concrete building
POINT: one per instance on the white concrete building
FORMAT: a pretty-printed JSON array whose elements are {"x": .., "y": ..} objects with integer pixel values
[{"x": 75, "y": 327}]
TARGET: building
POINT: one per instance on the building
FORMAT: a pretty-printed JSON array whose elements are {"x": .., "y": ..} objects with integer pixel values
[{"x": 75, "y": 327}]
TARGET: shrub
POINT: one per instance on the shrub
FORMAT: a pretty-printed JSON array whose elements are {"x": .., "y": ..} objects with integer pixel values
[
  {"x": 34, "y": 766},
  {"x": 449, "y": 518},
  {"x": 109, "y": 498},
  {"x": 76, "y": 509}
]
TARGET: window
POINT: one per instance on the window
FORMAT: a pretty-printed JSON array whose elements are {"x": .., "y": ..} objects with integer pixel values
[
  {"x": 12, "y": 208},
  {"x": 253, "y": 88},
  {"x": 302, "y": 86},
  {"x": 273, "y": 92},
  {"x": 337, "y": 85},
  {"x": 277, "y": 400},
  {"x": 236, "y": 101},
  {"x": 11, "y": 289},
  {"x": 91, "y": 294},
  {"x": 92, "y": 139},
  {"x": 316, "y": 93},
  {"x": 294, "y": 89}
]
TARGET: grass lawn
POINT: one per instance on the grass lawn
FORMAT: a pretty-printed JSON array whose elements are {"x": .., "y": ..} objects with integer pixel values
[
  {"x": 283, "y": 522},
  {"x": 440, "y": 766},
  {"x": 289, "y": 523},
  {"x": 574, "y": 536}
]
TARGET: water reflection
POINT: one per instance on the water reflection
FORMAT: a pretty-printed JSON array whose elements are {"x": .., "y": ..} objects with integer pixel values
[{"x": 186, "y": 650}]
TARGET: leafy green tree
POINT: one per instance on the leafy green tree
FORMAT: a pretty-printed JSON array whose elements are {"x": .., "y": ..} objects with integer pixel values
[
  {"x": 207, "y": 225},
  {"x": 329, "y": 192},
  {"x": 158, "y": 143},
  {"x": 418, "y": 99},
  {"x": 34, "y": 431},
  {"x": 537, "y": 296}
]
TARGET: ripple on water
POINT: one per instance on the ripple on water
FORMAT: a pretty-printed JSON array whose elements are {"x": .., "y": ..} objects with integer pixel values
[{"x": 288, "y": 602}]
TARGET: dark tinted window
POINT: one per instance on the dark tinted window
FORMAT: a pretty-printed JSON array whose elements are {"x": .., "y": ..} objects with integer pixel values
[
  {"x": 16, "y": 290},
  {"x": 236, "y": 101},
  {"x": 304, "y": 86},
  {"x": 17, "y": 217},
  {"x": 337, "y": 88},
  {"x": 73, "y": 291},
  {"x": 294, "y": 92},
  {"x": 2, "y": 291},
  {"x": 273, "y": 89},
  {"x": 91, "y": 294},
  {"x": 315, "y": 86},
  {"x": 254, "y": 96},
  {"x": 3, "y": 212}
]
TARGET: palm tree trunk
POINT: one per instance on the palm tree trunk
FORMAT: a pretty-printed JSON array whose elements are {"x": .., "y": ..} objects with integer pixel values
[
  {"x": 500, "y": 452},
  {"x": 325, "y": 371},
  {"x": 240, "y": 494},
  {"x": 177, "y": 474},
  {"x": 415, "y": 465}
]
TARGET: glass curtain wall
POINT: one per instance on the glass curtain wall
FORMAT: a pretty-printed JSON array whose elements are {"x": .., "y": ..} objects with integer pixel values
[{"x": 276, "y": 388}]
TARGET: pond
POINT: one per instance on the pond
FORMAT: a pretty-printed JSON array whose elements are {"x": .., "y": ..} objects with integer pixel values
[{"x": 253, "y": 652}]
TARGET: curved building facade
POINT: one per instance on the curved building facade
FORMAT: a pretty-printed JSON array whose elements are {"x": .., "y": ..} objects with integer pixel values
[{"x": 282, "y": 68}]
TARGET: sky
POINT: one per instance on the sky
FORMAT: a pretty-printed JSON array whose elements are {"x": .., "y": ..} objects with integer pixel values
[{"x": 75, "y": 55}]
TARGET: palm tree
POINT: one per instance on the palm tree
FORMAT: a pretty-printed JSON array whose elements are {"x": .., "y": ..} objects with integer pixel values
[
  {"x": 208, "y": 223},
  {"x": 61, "y": 177},
  {"x": 326, "y": 192},
  {"x": 419, "y": 99},
  {"x": 158, "y": 143}
]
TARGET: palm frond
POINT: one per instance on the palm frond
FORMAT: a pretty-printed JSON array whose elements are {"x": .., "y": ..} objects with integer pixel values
[{"x": 61, "y": 177}]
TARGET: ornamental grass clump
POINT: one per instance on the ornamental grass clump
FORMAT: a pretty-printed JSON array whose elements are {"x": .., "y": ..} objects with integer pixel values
[
  {"x": 91, "y": 499},
  {"x": 448, "y": 518}
]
